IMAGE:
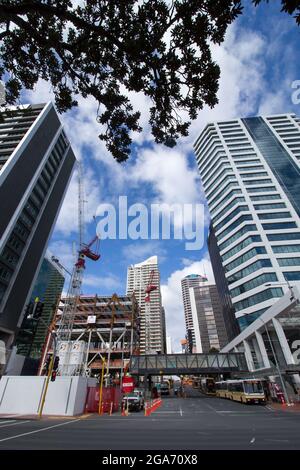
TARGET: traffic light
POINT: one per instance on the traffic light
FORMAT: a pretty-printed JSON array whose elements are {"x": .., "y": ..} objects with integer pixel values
[
  {"x": 47, "y": 364},
  {"x": 56, "y": 362},
  {"x": 38, "y": 310},
  {"x": 54, "y": 369},
  {"x": 29, "y": 310},
  {"x": 53, "y": 375}
]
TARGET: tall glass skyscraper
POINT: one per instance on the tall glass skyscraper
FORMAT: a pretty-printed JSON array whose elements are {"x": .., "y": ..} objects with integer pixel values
[
  {"x": 47, "y": 290},
  {"x": 251, "y": 177},
  {"x": 36, "y": 163}
]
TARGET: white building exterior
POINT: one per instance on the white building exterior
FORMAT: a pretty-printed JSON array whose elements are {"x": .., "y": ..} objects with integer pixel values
[
  {"x": 169, "y": 345},
  {"x": 138, "y": 277},
  {"x": 272, "y": 341},
  {"x": 192, "y": 280},
  {"x": 251, "y": 178}
]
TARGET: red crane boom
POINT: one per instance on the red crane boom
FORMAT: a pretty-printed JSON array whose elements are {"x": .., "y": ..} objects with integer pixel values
[{"x": 150, "y": 287}]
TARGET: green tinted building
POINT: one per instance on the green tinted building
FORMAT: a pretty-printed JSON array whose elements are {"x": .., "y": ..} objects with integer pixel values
[{"x": 47, "y": 290}]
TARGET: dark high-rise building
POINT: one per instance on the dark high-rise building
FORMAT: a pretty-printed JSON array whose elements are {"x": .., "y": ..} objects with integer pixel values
[
  {"x": 231, "y": 324},
  {"x": 45, "y": 296},
  {"x": 207, "y": 314},
  {"x": 36, "y": 163}
]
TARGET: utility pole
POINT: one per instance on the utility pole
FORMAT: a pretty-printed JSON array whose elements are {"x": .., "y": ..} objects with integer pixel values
[{"x": 46, "y": 384}]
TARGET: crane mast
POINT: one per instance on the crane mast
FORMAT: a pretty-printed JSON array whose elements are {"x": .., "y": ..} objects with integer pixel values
[{"x": 64, "y": 332}]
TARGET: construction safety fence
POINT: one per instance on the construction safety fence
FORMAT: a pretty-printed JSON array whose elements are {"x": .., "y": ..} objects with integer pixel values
[
  {"x": 111, "y": 399},
  {"x": 152, "y": 405}
]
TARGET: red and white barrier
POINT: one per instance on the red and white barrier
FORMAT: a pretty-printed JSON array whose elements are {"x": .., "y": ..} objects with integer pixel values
[{"x": 152, "y": 405}]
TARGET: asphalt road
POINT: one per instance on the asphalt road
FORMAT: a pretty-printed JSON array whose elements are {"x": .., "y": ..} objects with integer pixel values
[{"x": 196, "y": 422}]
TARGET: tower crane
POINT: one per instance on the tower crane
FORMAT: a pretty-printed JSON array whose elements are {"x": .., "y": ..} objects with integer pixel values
[
  {"x": 65, "y": 328},
  {"x": 149, "y": 288}
]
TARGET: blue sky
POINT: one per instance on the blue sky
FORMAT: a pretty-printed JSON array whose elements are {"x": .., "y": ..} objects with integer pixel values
[{"x": 259, "y": 60}]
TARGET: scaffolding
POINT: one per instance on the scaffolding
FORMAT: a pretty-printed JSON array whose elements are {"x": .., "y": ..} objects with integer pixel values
[{"x": 104, "y": 328}]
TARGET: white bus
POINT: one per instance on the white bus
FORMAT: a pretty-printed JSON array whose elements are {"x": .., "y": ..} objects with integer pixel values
[{"x": 243, "y": 390}]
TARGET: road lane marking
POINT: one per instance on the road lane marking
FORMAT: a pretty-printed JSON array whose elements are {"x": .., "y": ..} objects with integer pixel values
[
  {"x": 211, "y": 407},
  {"x": 38, "y": 430},
  {"x": 252, "y": 440},
  {"x": 269, "y": 408},
  {"x": 13, "y": 424},
  {"x": 181, "y": 412},
  {"x": 277, "y": 440}
]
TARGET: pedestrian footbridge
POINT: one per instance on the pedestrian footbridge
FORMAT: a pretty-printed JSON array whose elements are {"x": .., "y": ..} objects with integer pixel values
[{"x": 184, "y": 364}]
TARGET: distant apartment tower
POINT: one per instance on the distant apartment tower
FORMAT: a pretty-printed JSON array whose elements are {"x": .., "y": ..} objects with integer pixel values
[
  {"x": 47, "y": 291},
  {"x": 138, "y": 277},
  {"x": 251, "y": 177},
  {"x": 36, "y": 162},
  {"x": 169, "y": 349},
  {"x": 192, "y": 280},
  {"x": 208, "y": 321},
  {"x": 164, "y": 329}
]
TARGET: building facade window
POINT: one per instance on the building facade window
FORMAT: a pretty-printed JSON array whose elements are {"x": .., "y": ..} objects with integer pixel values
[
  {"x": 237, "y": 235},
  {"x": 234, "y": 225},
  {"x": 255, "y": 282},
  {"x": 227, "y": 219},
  {"x": 288, "y": 261},
  {"x": 279, "y": 226},
  {"x": 258, "y": 298},
  {"x": 286, "y": 249},
  {"x": 260, "y": 264},
  {"x": 258, "y": 250}
]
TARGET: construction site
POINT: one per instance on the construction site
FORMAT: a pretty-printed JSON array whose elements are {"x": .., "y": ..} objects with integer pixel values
[
  {"x": 104, "y": 330},
  {"x": 91, "y": 338}
]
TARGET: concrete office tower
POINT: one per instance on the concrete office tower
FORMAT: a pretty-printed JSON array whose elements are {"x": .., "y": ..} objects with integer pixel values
[
  {"x": 36, "y": 162},
  {"x": 47, "y": 289},
  {"x": 164, "y": 329},
  {"x": 251, "y": 177},
  {"x": 207, "y": 314},
  {"x": 138, "y": 276},
  {"x": 169, "y": 349},
  {"x": 192, "y": 280}
]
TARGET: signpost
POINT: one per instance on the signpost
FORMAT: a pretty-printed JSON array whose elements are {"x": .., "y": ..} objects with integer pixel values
[{"x": 127, "y": 384}]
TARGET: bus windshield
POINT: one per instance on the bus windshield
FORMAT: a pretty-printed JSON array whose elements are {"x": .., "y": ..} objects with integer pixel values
[{"x": 253, "y": 387}]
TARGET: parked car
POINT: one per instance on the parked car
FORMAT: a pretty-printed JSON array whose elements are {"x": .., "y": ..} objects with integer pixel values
[
  {"x": 133, "y": 402},
  {"x": 141, "y": 395},
  {"x": 164, "y": 388}
]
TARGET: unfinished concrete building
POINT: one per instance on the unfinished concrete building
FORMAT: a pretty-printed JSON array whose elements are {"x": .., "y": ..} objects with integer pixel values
[{"x": 105, "y": 328}]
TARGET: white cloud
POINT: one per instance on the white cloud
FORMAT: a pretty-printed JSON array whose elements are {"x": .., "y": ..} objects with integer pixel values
[
  {"x": 64, "y": 252},
  {"x": 169, "y": 174},
  {"x": 242, "y": 81},
  {"x": 172, "y": 298},
  {"x": 138, "y": 252}
]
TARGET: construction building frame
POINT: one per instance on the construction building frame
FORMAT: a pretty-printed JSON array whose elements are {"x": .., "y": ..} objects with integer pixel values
[{"x": 109, "y": 329}]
